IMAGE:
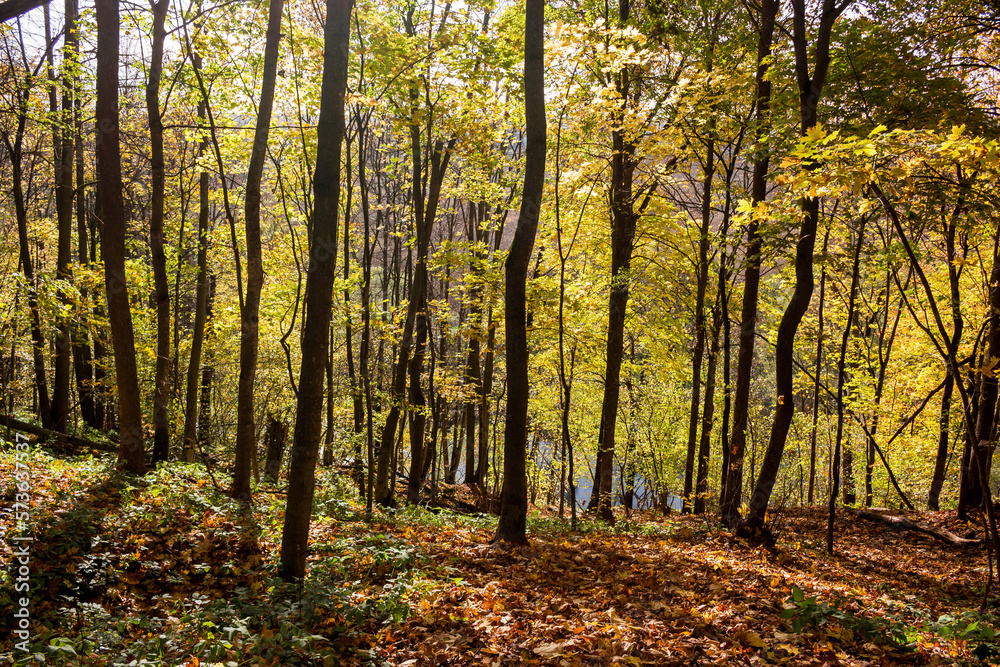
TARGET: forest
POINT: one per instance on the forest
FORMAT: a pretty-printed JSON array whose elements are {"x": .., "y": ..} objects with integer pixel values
[{"x": 499, "y": 332}]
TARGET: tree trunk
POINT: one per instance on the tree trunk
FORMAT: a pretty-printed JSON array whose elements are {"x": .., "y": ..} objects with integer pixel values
[
  {"x": 513, "y": 495},
  {"x": 161, "y": 292},
  {"x": 810, "y": 89},
  {"x": 64, "y": 215},
  {"x": 250, "y": 317},
  {"x": 813, "y": 432},
  {"x": 624, "y": 219},
  {"x": 200, "y": 313},
  {"x": 708, "y": 416},
  {"x": 110, "y": 188},
  {"x": 841, "y": 379},
  {"x": 207, "y": 374},
  {"x": 82, "y": 356},
  {"x": 277, "y": 431},
  {"x": 699, "y": 328},
  {"x": 319, "y": 292},
  {"x": 733, "y": 498},
  {"x": 958, "y": 323}
]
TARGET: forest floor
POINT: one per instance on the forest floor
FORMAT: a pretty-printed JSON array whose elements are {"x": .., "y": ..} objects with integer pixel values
[{"x": 165, "y": 570}]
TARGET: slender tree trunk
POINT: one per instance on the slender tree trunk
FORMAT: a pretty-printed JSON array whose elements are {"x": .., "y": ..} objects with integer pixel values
[
  {"x": 161, "y": 291},
  {"x": 207, "y": 373},
  {"x": 485, "y": 397},
  {"x": 249, "y": 321},
  {"x": 733, "y": 498},
  {"x": 513, "y": 494},
  {"x": 624, "y": 219},
  {"x": 418, "y": 404},
  {"x": 708, "y": 417},
  {"x": 63, "y": 143},
  {"x": 958, "y": 324},
  {"x": 319, "y": 292},
  {"x": 357, "y": 393},
  {"x": 841, "y": 379},
  {"x": 699, "y": 325},
  {"x": 110, "y": 188},
  {"x": 810, "y": 89},
  {"x": 200, "y": 314},
  {"x": 986, "y": 425},
  {"x": 813, "y": 432},
  {"x": 82, "y": 357}
]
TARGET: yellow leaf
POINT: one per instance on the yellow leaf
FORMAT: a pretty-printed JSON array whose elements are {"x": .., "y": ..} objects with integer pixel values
[{"x": 816, "y": 132}]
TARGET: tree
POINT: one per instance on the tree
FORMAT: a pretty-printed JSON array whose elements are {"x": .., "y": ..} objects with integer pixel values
[
  {"x": 161, "y": 293},
  {"x": 732, "y": 485},
  {"x": 514, "y": 492},
  {"x": 250, "y": 316},
  {"x": 110, "y": 187},
  {"x": 319, "y": 291},
  {"x": 810, "y": 86}
]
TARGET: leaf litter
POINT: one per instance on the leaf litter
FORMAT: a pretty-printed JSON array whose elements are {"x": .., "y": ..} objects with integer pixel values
[{"x": 166, "y": 570}]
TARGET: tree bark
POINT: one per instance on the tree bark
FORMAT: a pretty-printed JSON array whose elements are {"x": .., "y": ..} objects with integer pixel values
[
  {"x": 810, "y": 89},
  {"x": 250, "y": 317},
  {"x": 707, "y": 419},
  {"x": 200, "y": 313},
  {"x": 513, "y": 495},
  {"x": 131, "y": 454},
  {"x": 841, "y": 379},
  {"x": 624, "y": 219},
  {"x": 733, "y": 497},
  {"x": 82, "y": 356},
  {"x": 814, "y": 430},
  {"x": 277, "y": 431},
  {"x": 699, "y": 330},
  {"x": 958, "y": 324},
  {"x": 319, "y": 292},
  {"x": 63, "y": 142},
  {"x": 161, "y": 292}
]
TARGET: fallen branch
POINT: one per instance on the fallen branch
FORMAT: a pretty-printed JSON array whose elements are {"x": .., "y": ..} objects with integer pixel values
[
  {"x": 45, "y": 434},
  {"x": 901, "y": 523}
]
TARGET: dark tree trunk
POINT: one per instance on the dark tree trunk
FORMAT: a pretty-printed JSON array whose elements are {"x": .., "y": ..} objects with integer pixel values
[
  {"x": 986, "y": 427},
  {"x": 699, "y": 331},
  {"x": 813, "y": 432},
  {"x": 277, "y": 432},
  {"x": 733, "y": 498},
  {"x": 200, "y": 314},
  {"x": 473, "y": 378},
  {"x": 418, "y": 403},
  {"x": 110, "y": 188},
  {"x": 514, "y": 493},
  {"x": 319, "y": 292},
  {"x": 841, "y": 379},
  {"x": 624, "y": 219},
  {"x": 810, "y": 89},
  {"x": 207, "y": 374},
  {"x": 357, "y": 393},
  {"x": 485, "y": 396},
  {"x": 64, "y": 216},
  {"x": 161, "y": 292},
  {"x": 82, "y": 356},
  {"x": 249, "y": 321},
  {"x": 958, "y": 324},
  {"x": 708, "y": 417}
]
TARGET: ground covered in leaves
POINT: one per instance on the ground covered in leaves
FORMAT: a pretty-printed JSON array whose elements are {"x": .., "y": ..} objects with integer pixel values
[{"x": 165, "y": 570}]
